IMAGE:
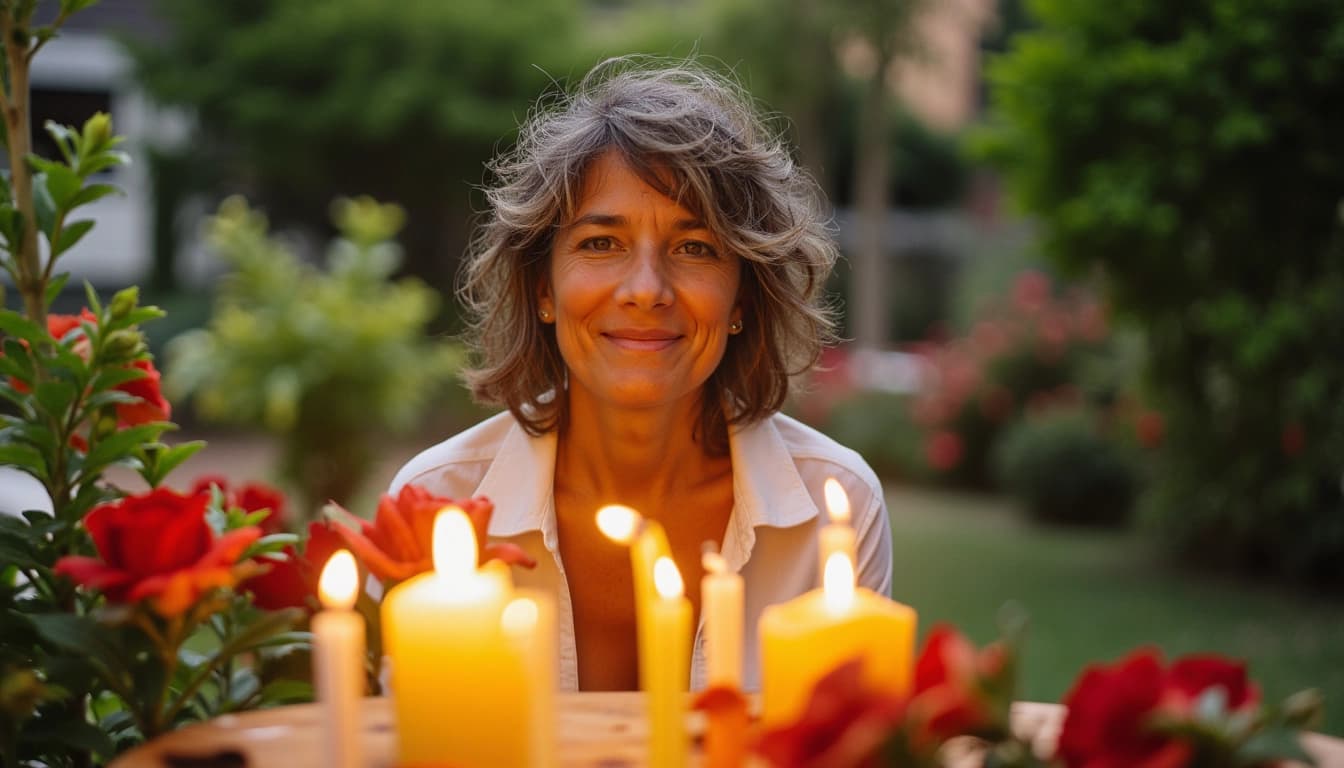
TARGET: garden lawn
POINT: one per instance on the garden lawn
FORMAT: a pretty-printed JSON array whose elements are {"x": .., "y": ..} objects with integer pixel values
[{"x": 1096, "y": 595}]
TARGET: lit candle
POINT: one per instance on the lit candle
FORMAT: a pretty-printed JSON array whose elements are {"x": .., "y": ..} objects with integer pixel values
[
  {"x": 669, "y": 666},
  {"x": 837, "y": 535},
  {"x": 529, "y": 627},
  {"x": 807, "y": 637},
  {"x": 721, "y": 604},
  {"x": 455, "y": 688},
  {"x": 338, "y": 661},
  {"x": 647, "y": 542}
]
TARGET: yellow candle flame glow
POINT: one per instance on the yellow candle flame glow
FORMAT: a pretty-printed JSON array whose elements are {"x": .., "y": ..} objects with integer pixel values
[
  {"x": 618, "y": 523},
  {"x": 519, "y": 617},
  {"x": 837, "y": 503},
  {"x": 454, "y": 543},
  {"x": 838, "y": 583},
  {"x": 338, "y": 587},
  {"x": 667, "y": 579}
]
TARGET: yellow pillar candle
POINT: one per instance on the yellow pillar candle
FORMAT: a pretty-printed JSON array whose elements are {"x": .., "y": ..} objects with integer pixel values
[
  {"x": 338, "y": 662},
  {"x": 721, "y": 605},
  {"x": 807, "y": 637},
  {"x": 669, "y": 652},
  {"x": 837, "y": 535},
  {"x": 529, "y": 627},
  {"x": 648, "y": 543},
  {"x": 455, "y": 690}
]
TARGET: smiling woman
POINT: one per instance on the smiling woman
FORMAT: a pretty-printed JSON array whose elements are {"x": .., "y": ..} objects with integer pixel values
[{"x": 646, "y": 282}]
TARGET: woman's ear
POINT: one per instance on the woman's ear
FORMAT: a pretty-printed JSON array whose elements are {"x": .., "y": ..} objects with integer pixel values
[{"x": 545, "y": 304}]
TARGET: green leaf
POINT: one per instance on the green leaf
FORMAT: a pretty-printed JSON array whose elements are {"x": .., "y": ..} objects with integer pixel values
[
  {"x": 44, "y": 208},
  {"x": 56, "y": 285},
  {"x": 76, "y": 733},
  {"x": 81, "y": 635},
  {"x": 1273, "y": 744},
  {"x": 70, "y": 234},
  {"x": 61, "y": 182},
  {"x": 65, "y": 138},
  {"x": 55, "y": 397},
  {"x": 107, "y": 378},
  {"x": 20, "y": 327},
  {"x": 25, "y": 457},
  {"x": 267, "y": 545},
  {"x": 75, "y": 6},
  {"x": 120, "y": 445},
  {"x": 91, "y": 298},
  {"x": 160, "y": 461},
  {"x": 268, "y": 626},
  {"x": 93, "y": 192}
]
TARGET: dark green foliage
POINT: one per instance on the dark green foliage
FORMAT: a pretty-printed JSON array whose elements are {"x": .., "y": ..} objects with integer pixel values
[
  {"x": 1062, "y": 469},
  {"x": 1193, "y": 152}
]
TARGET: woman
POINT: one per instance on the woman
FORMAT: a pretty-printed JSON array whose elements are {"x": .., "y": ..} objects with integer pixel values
[{"x": 646, "y": 281}]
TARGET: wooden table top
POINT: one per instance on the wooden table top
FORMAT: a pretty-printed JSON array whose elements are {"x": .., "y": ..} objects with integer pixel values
[{"x": 596, "y": 730}]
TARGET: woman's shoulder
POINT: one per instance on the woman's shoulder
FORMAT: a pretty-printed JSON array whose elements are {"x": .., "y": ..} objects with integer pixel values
[
  {"x": 808, "y": 445},
  {"x": 465, "y": 454}
]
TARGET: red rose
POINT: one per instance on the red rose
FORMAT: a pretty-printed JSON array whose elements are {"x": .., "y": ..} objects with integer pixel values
[
  {"x": 947, "y": 698},
  {"x": 157, "y": 547},
  {"x": 152, "y": 406},
  {"x": 844, "y": 725},
  {"x": 1190, "y": 676},
  {"x": 1108, "y": 713},
  {"x": 253, "y": 497},
  {"x": 399, "y": 543},
  {"x": 292, "y": 582}
]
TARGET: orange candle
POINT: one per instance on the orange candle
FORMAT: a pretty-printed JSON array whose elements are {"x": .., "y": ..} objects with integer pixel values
[
  {"x": 837, "y": 535},
  {"x": 648, "y": 543},
  {"x": 721, "y": 596},
  {"x": 669, "y": 661}
]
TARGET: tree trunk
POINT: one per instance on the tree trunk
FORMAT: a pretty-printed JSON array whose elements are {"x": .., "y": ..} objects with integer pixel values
[{"x": 868, "y": 283}]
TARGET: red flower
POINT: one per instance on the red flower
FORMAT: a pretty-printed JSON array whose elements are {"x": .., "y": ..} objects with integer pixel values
[
  {"x": 947, "y": 699},
  {"x": 252, "y": 497},
  {"x": 1293, "y": 440},
  {"x": 152, "y": 406},
  {"x": 1190, "y": 676},
  {"x": 1031, "y": 291},
  {"x": 157, "y": 547},
  {"x": 1108, "y": 713},
  {"x": 59, "y": 325},
  {"x": 292, "y": 581},
  {"x": 398, "y": 544},
  {"x": 1150, "y": 428},
  {"x": 844, "y": 725},
  {"x": 943, "y": 450}
]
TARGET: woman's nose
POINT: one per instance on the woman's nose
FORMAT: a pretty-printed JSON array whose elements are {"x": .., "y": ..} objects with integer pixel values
[{"x": 645, "y": 283}]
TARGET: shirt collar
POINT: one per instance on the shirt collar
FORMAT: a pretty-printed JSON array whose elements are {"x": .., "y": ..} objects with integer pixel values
[{"x": 767, "y": 489}]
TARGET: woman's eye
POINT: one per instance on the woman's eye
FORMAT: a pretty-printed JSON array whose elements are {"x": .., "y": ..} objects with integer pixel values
[
  {"x": 597, "y": 244},
  {"x": 697, "y": 248}
]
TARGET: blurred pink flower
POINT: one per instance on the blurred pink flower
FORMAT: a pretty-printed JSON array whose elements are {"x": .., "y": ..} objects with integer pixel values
[{"x": 943, "y": 450}]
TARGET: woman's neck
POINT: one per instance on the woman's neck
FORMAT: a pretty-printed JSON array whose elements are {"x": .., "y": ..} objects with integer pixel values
[{"x": 635, "y": 457}]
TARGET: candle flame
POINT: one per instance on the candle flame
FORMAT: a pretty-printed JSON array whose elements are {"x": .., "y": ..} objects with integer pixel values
[
  {"x": 519, "y": 617},
  {"x": 667, "y": 579},
  {"x": 837, "y": 503},
  {"x": 618, "y": 523},
  {"x": 338, "y": 587},
  {"x": 838, "y": 582},
  {"x": 454, "y": 543},
  {"x": 711, "y": 560}
]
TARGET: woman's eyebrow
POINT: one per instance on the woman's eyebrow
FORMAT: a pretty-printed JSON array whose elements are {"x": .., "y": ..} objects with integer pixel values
[{"x": 615, "y": 220}]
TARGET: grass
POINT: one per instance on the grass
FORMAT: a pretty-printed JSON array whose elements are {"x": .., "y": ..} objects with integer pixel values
[{"x": 1092, "y": 596}]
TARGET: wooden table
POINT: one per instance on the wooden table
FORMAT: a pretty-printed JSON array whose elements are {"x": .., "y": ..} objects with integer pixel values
[{"x": 596, "y": 730}]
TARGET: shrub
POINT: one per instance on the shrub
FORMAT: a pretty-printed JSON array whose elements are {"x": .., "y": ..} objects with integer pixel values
[
  {"x": 326, "y": 359},
  {"x": 1062, "y": 468}
]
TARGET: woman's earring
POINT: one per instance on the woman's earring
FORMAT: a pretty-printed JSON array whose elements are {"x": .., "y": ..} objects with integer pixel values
[
  {"x": 545, "y": 315},
  {"x": 735, "y": 327}
]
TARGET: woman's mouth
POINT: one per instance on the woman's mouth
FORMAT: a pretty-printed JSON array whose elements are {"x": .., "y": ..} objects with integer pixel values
[{"x": 642, "y": 340}]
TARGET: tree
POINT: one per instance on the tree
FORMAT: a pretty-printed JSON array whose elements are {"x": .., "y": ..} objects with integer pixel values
[
  {"x": 1191, "y": 154},
  {"x": 305, "y": 102}
]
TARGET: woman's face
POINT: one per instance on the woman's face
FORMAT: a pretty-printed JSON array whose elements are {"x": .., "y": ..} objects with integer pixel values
[{"x": 642, "y": 294}]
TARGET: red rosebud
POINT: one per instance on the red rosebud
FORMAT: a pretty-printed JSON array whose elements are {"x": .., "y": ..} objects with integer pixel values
[
  {"x": 157, "y": 547},
  {"x": 292, "y": 581},
  {"x": 152, "y": 406},
  {"x": 947, "y": 698},
  {"x": 1108, "y": 712},
  {"x": 399, "y": 543}
]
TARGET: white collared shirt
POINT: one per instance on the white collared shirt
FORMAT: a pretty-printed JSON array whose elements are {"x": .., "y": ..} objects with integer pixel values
[{"x": 779, "y": 467}]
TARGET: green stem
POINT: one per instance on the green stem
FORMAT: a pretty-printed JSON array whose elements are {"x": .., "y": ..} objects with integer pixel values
[{"x": 18, "y": 121}]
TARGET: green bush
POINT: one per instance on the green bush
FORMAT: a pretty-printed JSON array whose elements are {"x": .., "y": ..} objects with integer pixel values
[
  {"x": 1061, "y": 468},
  {"x": 878, "y": 426},
  {"x": 328, "y": 360},
  {"x": 1178, "y": 150}
]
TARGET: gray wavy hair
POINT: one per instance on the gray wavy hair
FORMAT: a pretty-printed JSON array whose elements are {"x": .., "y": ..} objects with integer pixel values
[{"x": 696, "y": 137}]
